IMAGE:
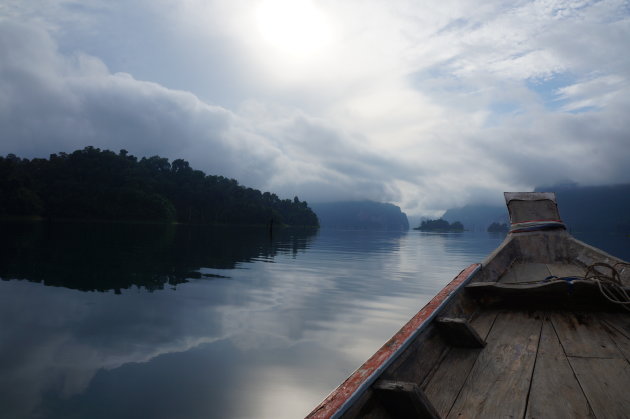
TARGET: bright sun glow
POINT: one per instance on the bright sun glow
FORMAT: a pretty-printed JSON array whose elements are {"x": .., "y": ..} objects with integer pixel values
[{"x": 293, "y": 27}]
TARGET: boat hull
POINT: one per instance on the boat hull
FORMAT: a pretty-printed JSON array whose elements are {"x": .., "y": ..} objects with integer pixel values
[{"x": 486, "y": 344}]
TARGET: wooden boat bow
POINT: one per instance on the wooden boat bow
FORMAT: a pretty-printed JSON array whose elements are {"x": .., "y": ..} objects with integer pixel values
[{"x": 553, "y": 319}]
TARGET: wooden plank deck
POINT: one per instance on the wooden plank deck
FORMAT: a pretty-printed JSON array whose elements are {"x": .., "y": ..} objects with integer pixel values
[
  {"x": 498, "y": 383},
  {"x": 444, "y": 385},
  {"x": 525, "y": 272},
  {"x": 537, "y": 365},
  {"x": 555, "y": 392},
  {"x": 582, "y": 335},
  {"x": 535, "y": 272}
]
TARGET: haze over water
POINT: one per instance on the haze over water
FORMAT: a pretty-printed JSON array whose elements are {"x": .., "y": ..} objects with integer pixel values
[{"x": 205, "y": 322}]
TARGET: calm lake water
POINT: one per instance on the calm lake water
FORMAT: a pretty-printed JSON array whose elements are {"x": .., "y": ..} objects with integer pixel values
[{"x": 128, "y": 321}]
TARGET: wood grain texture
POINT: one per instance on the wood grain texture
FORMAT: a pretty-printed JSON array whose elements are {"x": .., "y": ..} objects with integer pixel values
[
  {"x": 498, "y": 383},
  {"x": 605, "y": 383},
  {"x": 582, "y": 335},
  {"x": 620, "y": 321},
  {"x": 565, "y": 269},
  {"x": 419, "y": 360},
  {"x": 525, "y": 272},
  {"x": 483, "y": 322},
  {"x": 555, "y": 392},
  {"x": 447, "y": 381},
  {"x": 445, "y": 385},
  {"x": 616, "y": 325}
]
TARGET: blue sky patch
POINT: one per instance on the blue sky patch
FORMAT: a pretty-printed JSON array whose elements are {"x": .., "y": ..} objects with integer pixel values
[{"x": 547, "y": 89}]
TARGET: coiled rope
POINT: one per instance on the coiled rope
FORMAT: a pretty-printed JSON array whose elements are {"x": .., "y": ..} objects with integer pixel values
[{"x": 610, "y": 286}]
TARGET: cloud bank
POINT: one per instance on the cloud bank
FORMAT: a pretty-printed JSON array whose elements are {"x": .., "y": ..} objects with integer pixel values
[{"x": 427, "y": 106}]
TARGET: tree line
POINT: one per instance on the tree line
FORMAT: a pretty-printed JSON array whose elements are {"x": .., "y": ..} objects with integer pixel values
[
  {"x": 440, "y": 225},
  {"x": 104, "y": 185}
]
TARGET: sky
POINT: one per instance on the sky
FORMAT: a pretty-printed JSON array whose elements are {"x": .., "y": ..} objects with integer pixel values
[{"x": 428, "y": 105}]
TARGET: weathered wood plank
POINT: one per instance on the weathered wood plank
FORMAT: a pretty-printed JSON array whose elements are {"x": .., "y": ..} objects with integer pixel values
[
  {"x": 581, "y": 334},
  {"x": 525, "y": 272},
  {"x": 565, "y": 269},
  {"x": 459, "y": 333},
  {"x": 498, "y": 383},
  {"x": 620, "y": 321},
  {"x": 605, "y": 383},
  {"x": 483, "y": 322},
  {"x": 509, "y": 277},
  {"x": 615, "y": 325},
  {"x": 445, "y": 384},
  {"x": 404, "y": 400},
  {"x": 419, "y": 360},
  {"x": 555, "y": 392}
]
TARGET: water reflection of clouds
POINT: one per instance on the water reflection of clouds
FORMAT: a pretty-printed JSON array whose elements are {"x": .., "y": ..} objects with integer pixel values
[
  {"x": 74, "y": 337},
  {"x": 302, "y": 323},
  {"x": 55, "y": 340},
  {"x": 92, "y": 369}
]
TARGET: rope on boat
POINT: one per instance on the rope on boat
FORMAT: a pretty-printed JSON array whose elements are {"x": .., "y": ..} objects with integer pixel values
[{"x": 610, "y": 286}]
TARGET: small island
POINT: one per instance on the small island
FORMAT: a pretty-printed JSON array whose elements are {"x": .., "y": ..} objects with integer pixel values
[{"x": 441, "y": 226}]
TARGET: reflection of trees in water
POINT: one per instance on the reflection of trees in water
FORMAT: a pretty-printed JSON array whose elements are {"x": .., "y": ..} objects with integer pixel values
[{"x": 109, "y": 256}]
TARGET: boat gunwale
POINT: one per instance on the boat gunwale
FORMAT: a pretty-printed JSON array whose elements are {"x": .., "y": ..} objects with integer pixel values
[{"x": 343, "y": 397}]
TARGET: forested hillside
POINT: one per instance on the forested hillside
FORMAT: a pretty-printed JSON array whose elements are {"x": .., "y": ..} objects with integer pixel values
[
  {"x": 100, "y": 184},
  {"x": 361, "y": 215}
]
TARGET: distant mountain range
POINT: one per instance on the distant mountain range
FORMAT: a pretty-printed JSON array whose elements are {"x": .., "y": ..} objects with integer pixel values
[
  {"x": 582, "y": 208},
  {"x": 360, "y": 215}
]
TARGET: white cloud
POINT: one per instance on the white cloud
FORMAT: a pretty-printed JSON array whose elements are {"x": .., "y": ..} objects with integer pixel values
[
  {"x": 425, "y": 104},
  {"x": 55, "y": 103},
  {"x": 596, "y": 93}
]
